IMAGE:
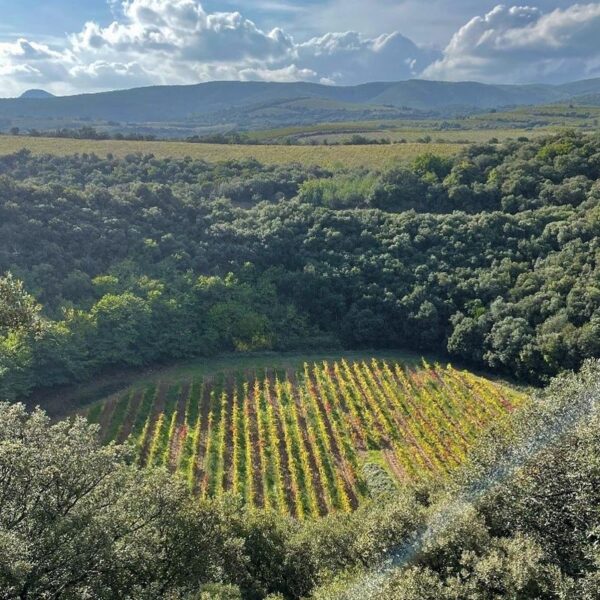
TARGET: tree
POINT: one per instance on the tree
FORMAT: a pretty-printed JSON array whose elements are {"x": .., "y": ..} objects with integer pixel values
[
  {"x": 19, "y": 312},
  {"x": 77, "y": 520},
  {"x": 122, "y": 322}
]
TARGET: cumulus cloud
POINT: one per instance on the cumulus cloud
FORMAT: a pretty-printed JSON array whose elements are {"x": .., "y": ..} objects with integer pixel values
[
  {"x": 522, "y": 44},
  {"x": 352, "y": 58},
  {"x": 29, "y": 63},
  {"x": 178, "y": 42}
]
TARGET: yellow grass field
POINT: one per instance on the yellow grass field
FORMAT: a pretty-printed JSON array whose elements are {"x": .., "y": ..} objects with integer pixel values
[{"x": 325, "y": 156}]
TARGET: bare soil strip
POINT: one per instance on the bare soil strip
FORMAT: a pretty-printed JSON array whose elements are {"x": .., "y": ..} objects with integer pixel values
[
  {"x": 227, "y": 482},
  {"x": 204, "y": 411},
  {"x": 394, "y": 465},
  {"x": 127, "y": 425},
  {"x": 285, "y": 467},
  {"x": 338, "y": 458},
  {"x": 176, "y": 443},
  {"x": 316, "y": 478}
]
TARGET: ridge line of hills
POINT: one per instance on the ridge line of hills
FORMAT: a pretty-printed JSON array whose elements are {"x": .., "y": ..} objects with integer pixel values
[{"x": 233, "y": 101}]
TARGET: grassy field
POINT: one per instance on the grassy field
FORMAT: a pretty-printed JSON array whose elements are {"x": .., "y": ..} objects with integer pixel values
[
  {"x": 554, "y": 116},
  {"x": 411, "y": 132},
  {"x": 446, "y": 137},
  {"x": 326, "y": 156},
  {"x": 528, "y": 121},
  {"x": 459, "y": 136},
  {"x": 304, "y": 435}
]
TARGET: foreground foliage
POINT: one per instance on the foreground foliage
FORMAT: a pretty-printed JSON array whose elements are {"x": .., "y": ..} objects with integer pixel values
[{"x": 78, "y": 520}]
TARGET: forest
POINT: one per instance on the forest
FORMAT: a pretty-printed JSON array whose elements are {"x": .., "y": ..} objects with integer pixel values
[{"x": 489, "y": 258}]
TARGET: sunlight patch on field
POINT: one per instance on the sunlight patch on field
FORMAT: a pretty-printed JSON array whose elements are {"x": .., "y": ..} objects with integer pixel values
[{"x": 326, "y": 156}]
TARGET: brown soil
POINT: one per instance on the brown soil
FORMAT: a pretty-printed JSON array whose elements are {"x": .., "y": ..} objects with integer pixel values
[
  {"x": 200, "y": 474},
  {"x": 338, "y": 458},
  {"x": 429, "y": 429},
  {"x": 134, "y": 404},
  {"x": 283, "y": 457},
  {"x": 395, "y": 468},
  {"x": 180, "y": 427},
  {"x": 106, "y": 414},
  {"x": 227, "y": 482},
  {"x": 312, "y": 461}
]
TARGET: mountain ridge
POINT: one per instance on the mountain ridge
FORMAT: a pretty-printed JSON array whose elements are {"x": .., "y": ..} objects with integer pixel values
[{"x": 208, "y": 102}]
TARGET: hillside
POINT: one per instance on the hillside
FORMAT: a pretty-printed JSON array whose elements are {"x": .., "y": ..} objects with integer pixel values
[
  {"x": 236, "y": 103},
  {"x": 439, "y": 253},
  {"x": 164, "y": 299}
]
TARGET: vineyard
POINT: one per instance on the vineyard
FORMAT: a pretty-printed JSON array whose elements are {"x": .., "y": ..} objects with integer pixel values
[
  {"x": 311, "y": 441},
  {"x": 374, "y": 157}
]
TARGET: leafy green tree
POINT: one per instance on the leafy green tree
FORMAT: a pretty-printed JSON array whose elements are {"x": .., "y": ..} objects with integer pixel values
[
  {"x": 121, "y": 324},
  {"x": 78, "y": 521},
  {"x": 19, "y": 312}
]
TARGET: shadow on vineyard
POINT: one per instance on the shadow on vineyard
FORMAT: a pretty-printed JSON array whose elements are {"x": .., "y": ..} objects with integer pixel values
[{"x": 307, "y": 441}]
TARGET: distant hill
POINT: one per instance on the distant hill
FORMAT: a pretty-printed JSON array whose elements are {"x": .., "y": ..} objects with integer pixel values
[
  {"x": 588, "y": 100},
  {"x": 247, "y": 104},
  {"x": 37, "y": 94}
]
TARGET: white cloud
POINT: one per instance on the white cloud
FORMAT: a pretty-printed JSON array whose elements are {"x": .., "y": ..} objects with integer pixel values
[
  {"x": 285, "y": 74},
  {"x": 178, "y": 41},
  {"x": 522, "y": 44},
  {"x": 182, "y": 29},
  {"x": 352, "y": 58},
  {"x": 29, "y": 63}
]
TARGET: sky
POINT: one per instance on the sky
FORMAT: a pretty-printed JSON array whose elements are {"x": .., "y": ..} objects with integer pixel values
[{"x": 75, "y": 46}]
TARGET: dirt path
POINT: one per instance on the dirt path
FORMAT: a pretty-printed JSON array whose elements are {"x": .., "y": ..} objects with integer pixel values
[{"x": 255, "y": 464}]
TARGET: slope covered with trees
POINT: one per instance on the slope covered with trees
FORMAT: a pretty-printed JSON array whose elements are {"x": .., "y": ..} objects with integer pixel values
[
  {"x": 252, "y": 103},
  {"x": 492, "y": 257}
]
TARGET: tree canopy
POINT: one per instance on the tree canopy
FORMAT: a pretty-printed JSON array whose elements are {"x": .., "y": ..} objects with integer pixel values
[{"x": 490, "y": 257}]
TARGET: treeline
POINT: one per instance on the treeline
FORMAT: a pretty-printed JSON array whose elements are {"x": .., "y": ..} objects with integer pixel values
[
  {"x": 244, "y": 182},
  {"x": 79, "y": 520},
  {"x": 511, "y": 177},
  {"x": 84, "y": 133},
  {"x": 173, "y": 248},
  {"x": 145, "y": 321},
  {"x": 92, "y": 133}
]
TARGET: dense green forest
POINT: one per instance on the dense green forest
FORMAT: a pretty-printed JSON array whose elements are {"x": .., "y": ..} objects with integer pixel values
[{"x": 491, "y": 256}]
